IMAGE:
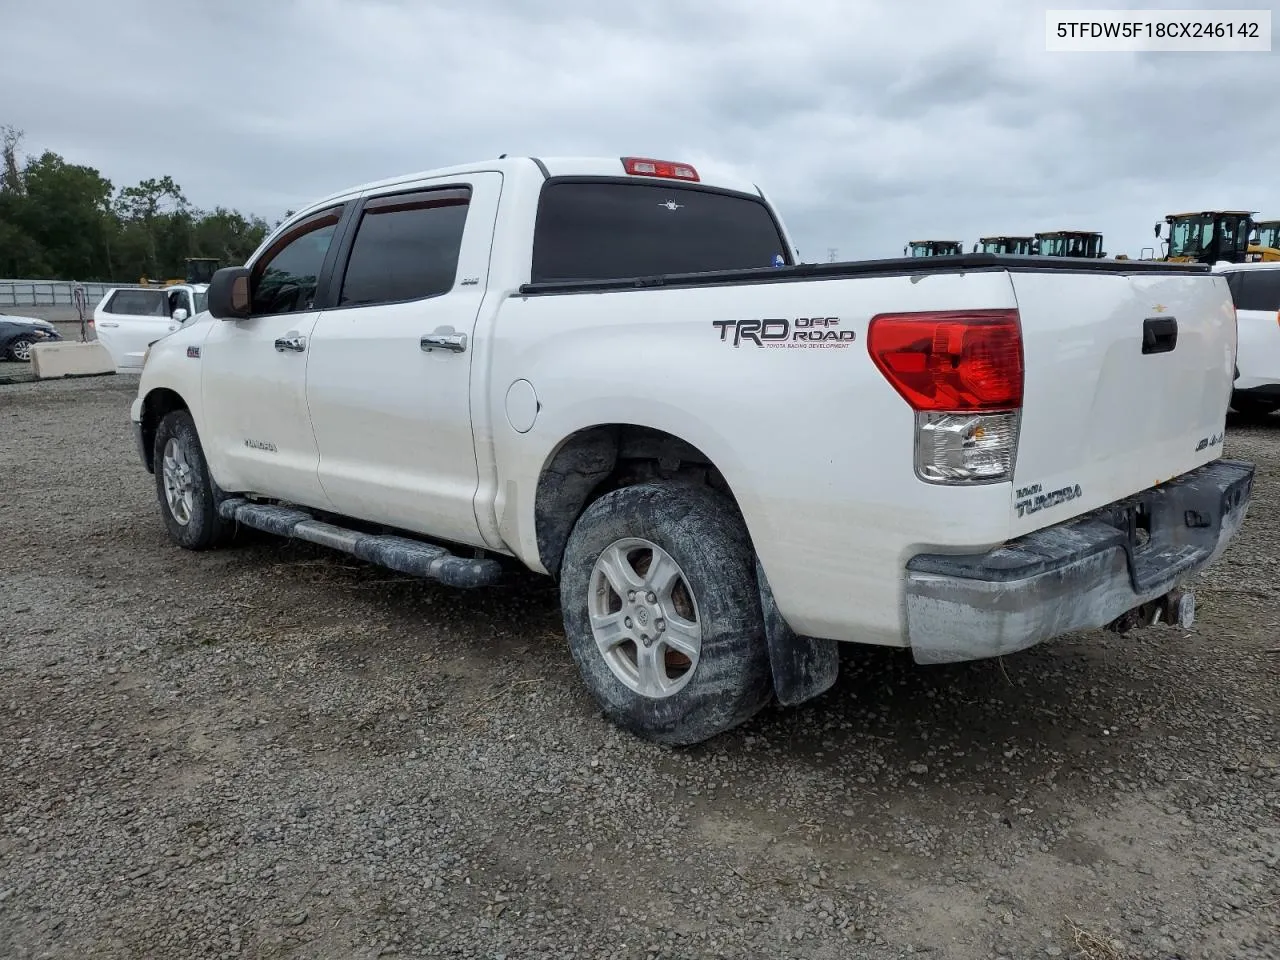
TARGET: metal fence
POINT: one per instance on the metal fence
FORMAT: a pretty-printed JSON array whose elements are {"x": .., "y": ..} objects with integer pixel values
[{"x": 52, "y": 293}]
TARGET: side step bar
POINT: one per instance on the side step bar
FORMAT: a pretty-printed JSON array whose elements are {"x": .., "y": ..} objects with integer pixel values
[{"x": 396, "y": 553}]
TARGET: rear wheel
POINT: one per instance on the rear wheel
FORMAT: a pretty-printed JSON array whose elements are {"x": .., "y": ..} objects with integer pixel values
[
  {"x": 662, "y": 612},
  {"x": 188, "y": 496},
  {"x": 1254, "y": 406},
  {"x": 20, "y": 349}
]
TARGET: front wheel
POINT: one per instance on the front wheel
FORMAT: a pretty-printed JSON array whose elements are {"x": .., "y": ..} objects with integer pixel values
[
  {"x": 20, "y": 349},
  {"x": 188, "y": 496},
  {"x": 662, "y": 612}
]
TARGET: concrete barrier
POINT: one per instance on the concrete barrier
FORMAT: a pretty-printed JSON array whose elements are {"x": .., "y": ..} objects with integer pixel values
[{"x": 70, "y": 359}]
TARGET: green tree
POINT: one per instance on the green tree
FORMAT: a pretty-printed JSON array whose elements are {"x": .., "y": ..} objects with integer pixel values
[
  {"x": 60, "y": 220},
  {"x": 67, "y": 212}
]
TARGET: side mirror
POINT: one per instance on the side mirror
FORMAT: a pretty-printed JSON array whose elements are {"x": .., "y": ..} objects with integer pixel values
[
  {"x": 229, "y": 293},
  {"x": 180, "y": 315},
  {"x": 1157, "y": 229}
]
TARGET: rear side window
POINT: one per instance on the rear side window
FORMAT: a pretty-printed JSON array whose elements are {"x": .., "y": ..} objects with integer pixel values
[
  {"x": 610, "y": 231},
  {"x": 1255, "y": 289},
  {"x": 138, "y": 303},
  {"x": 406, "y": 247}
]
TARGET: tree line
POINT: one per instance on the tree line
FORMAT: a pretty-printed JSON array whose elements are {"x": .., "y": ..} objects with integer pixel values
[{"x": 65, "y": 221}]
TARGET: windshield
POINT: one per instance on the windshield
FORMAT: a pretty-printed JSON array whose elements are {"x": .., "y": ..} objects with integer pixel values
[
  {"x": 1190, "y": 236},
  {"x": 1007, "y": 245},
  {"x": 1269, "y": 235},
  {"x": 1070, "y": 246}
]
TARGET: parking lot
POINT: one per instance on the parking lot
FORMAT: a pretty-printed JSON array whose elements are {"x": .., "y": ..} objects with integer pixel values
[{"x": 275, "y": 751}]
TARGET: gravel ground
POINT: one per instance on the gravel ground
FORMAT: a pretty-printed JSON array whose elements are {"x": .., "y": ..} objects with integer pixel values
[{"x": 273, "y": 751}]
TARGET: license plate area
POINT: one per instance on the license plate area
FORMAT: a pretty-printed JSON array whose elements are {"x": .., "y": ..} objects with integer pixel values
[{"x": 1162, "y": 535}]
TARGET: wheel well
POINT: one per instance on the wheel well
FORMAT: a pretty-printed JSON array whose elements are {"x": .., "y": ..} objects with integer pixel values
[
  {"x": 158, "y": 404},
  {"x": 598, "y": 459}
]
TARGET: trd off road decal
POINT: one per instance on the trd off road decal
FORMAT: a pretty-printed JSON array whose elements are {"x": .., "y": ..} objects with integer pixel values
[
  {"x": 1033, "y": 499},
  {"x": 802, "y": 332}
]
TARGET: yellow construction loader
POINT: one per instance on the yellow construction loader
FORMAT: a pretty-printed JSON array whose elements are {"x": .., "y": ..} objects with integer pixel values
[
  {"x": 933, "y": 248},
  {"x": 1070, "y": 243},
  {"x": 1264, "y": 244},
  {"x": 1206, "y": 236},
  {"x": 1018, "y": 246},
  {"x": 199, "y": 270}
]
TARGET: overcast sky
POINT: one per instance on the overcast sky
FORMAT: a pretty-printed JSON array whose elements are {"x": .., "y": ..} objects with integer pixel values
[{"x": 869, "y": 123}]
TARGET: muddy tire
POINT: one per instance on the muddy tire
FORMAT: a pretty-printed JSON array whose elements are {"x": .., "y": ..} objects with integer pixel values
[
  {"x": 662, "y": 612},
  {"x": 188, "y": 496}
]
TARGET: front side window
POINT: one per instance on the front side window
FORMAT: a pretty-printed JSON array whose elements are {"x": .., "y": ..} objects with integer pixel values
[
  {"x": 406, "y": 247},
  {"x": 284, "y": 279}
]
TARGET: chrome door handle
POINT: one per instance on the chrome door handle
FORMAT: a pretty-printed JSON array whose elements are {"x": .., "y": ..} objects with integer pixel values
[
  {"x": 108, "y": 324},
  {"x": 296, "y": 344},
  {"x": 453, "y": 342}
]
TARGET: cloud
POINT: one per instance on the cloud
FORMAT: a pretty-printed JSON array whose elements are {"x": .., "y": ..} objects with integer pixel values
[{"x": 868, "y": 123}]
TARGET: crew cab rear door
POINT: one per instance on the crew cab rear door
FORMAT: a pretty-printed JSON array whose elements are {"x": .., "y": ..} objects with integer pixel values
[{"x": 388, "y": 379}]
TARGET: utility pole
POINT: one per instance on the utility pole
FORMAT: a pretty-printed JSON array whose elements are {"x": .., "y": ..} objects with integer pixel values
[{"x": 831, "y": 254}]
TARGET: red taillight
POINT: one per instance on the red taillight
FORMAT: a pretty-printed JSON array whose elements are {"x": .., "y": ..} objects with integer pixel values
[
  {"x": 951, "y": 360},
  {"x": 644, "y": 167}
]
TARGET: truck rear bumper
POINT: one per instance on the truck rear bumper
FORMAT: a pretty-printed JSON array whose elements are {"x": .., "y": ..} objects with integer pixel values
[{"x": 1078, "y": 575}]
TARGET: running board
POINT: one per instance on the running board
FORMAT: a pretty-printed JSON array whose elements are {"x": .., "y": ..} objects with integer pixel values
[{"x": 396, "y": 553}]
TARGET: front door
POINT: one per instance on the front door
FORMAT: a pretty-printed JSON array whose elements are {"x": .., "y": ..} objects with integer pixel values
[
  {"x": 388, "y": 381},
  {"x": 256, "y": 429}
]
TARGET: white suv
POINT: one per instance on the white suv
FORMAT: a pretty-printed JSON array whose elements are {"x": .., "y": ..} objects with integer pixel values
[
  {"x": 1255, "y": 288},
  {"x": 130, "y": 319}
]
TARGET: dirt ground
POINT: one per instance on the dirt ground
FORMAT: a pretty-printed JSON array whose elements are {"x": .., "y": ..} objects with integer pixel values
[{"x": 273, "y": 751}]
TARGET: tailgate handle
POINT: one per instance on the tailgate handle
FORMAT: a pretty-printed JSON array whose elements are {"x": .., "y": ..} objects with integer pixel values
[{"x": 1159, "y": 334}]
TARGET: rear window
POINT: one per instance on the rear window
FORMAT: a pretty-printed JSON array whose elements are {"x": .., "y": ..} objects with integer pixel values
[
  {"x": 611, "y": 231},
  {"x": 1255, "y": 289},
  {"x": 138, "y": 303}
]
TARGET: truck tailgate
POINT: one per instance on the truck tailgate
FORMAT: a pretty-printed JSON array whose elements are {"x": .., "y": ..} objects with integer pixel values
[{"x": 1126, "y": 386}]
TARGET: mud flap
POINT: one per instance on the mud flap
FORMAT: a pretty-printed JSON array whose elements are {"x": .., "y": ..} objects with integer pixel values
[{"x": 803, "y": 667}]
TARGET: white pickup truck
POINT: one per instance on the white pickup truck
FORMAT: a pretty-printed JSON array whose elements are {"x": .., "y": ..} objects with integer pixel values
[{"x": 613, "y": 371}]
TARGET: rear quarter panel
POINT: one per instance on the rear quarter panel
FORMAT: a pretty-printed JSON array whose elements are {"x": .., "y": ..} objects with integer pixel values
[{"x": 816, "y": 446}]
